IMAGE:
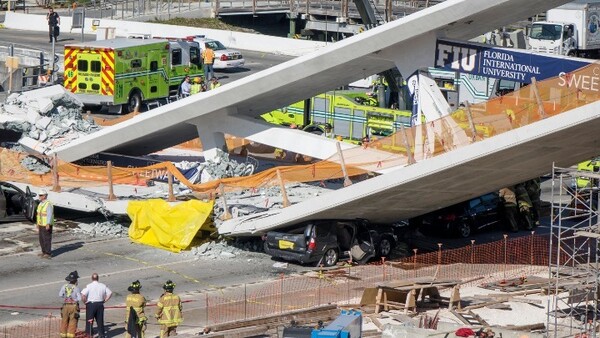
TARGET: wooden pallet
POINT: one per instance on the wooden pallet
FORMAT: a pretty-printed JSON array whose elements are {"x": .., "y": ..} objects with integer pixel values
[{"x": 470, "y": 318}]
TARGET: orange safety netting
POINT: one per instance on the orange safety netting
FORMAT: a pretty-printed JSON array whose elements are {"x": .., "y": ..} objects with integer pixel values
[{"x": 463, "y": 127}]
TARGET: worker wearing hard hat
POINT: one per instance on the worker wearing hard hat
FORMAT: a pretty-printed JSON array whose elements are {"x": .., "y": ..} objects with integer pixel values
[
  {"x": 135, "y": 318},
  {"x": 214, "y": 83},
  {"x": 44, "y": 222},
  {"x": 197, "y": 86},
  {"x": 168, "y": 311}
]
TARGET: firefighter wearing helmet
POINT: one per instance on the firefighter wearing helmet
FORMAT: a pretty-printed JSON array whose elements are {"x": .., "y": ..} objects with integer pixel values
[
  {"x": 69, "y": 312},
  {"x": 168, "y": 311},
  {"x": 135, "y": 318}
]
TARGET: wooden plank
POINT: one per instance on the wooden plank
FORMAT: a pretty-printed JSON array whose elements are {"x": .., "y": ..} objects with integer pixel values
[
  {"x": 369, "y": 296},
  {"x": 239, "y": 333},
  {"x": 530, "y": 327},
  {"x": 478, "y": 318},
  {"x": 460, "y": 317},
  {"x": 324, "y": 312},
  {"x": 378, "y": 300}
]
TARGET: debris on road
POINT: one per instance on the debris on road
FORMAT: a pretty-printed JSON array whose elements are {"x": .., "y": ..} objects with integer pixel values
[{"x": 99, "y": 229}]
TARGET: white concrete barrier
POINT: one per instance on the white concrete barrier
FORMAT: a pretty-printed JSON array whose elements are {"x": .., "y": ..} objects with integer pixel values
[{"x": 236, "y": 40}]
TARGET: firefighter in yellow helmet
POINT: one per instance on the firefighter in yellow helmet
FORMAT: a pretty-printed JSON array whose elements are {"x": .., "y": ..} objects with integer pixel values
[
  {"x": 69, "y": 312},
  {"x": 168, "y": 311},
  {"x": 197, "y": 86},
  {"x": 135, "y": 318}
]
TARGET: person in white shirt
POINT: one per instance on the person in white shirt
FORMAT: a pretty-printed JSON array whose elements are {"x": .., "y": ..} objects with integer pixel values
[
  {"x": 186, "y": 87},
  {"x": 94, "y": 296}
]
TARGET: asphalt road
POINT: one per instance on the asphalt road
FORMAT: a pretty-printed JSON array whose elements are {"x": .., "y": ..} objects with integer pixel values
[{"x": 31, "y": 282}]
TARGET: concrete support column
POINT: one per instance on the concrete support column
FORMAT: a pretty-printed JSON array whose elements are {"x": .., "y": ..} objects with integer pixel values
[
  {"x": 211, "y": 131},
  {"x": 292, "y": 18},
  {"x": 212, "y": 141}
]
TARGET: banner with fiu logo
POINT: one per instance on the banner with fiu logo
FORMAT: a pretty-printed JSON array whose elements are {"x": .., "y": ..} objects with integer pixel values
[{"x": 502, "y": 63}]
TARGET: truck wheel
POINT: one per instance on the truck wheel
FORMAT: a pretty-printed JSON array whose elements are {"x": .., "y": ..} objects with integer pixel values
[
  {"x": 330, "y": 257},
  {"x": 385, "y": 247},
  {"x": 134, "y": 103}
]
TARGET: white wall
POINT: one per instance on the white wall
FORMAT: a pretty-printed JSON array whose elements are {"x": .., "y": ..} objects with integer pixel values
[{"x": 247, "y": 41}]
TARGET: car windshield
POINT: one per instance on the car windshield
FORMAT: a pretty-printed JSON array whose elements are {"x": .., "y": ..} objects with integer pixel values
[
  {"x": 545, "y": 31},
  {"x": 214, "y": 45}
]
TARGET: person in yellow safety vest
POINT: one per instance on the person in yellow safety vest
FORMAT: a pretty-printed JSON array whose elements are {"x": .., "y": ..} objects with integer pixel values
[
  {"x": 168, "y": 311},
  {"x": 44, "y": 222},
  {"x": 214, "y": 83},
  {"x": 208, "y": 56},
  {"x": 69, "y": 312},
  {"x": 135, "y": 318},
  {"x": 511, "y": 115},
  {"x": 196, "y": 86}
]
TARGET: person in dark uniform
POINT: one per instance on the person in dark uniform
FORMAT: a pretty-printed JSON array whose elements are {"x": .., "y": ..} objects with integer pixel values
[
  {"x": 509, "y": 199},
  {"x": 53, "y": 22}
]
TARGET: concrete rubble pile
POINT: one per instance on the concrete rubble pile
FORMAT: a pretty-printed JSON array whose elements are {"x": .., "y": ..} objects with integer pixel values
[
  {"x": 102, "y": 229},
  {"x": 221, "y": 167},
  {"x": 246, "y": 202},
  {"x": 35, "y": 165},
  {"x": 216, "y": 250},
  {"x": 47, "y": 117}
]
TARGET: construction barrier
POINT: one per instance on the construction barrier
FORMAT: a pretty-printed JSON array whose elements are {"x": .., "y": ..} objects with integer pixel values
[{"x": 480, "y": 263}]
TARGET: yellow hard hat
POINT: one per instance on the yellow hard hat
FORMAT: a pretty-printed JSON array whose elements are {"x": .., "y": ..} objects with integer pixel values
[{"x": 196, "y": 80}]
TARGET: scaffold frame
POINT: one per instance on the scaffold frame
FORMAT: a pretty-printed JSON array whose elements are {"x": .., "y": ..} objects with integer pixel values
[{"x": 574, "y": 257}]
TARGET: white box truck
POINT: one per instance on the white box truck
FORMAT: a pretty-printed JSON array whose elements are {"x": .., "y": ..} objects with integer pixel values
[{"x": 572, "y": 29}]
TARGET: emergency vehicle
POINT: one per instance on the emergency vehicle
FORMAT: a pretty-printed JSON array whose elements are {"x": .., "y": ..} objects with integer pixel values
[
  {"x": 353, "y": 116},
  {"x": 122, "y": 73}
]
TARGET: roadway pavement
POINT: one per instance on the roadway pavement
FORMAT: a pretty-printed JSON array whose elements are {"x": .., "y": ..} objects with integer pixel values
[{"x": 31, "y": 282}]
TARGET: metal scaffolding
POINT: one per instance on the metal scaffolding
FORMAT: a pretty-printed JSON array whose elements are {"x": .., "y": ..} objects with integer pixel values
[{"x": 573, "y": 264}]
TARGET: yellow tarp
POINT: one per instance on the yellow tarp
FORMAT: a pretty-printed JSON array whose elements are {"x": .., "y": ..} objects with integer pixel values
[{"x": 158, "y": 224}]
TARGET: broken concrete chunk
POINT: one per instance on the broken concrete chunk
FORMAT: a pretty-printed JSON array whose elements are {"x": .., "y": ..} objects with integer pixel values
[
  {"x": 34, "y": 134},
  {"x": 43, "y": 122},
  {"x": 57, "y": 94},
  {"x": 33, "y": 146},
  {"x": 227, "y": 254},
  {"x": 53, "y": 131},
  {"x": 44, "y": 105},
  {"x": 12, "y": 98},
  {"x": 32, "y": 115},
  {"x": 43, "y": 136},
  {"x": 35, "y": 165},
  {"x": 15, "y": 110}
]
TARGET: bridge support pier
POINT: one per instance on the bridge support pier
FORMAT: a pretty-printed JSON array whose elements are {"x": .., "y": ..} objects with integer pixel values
[
  {"x": 292, "y": 17},
  {"x": 212, "y": 141}
]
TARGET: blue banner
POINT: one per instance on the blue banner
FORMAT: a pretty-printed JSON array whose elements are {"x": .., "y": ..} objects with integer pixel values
[{"x": 502, "y": 63}]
